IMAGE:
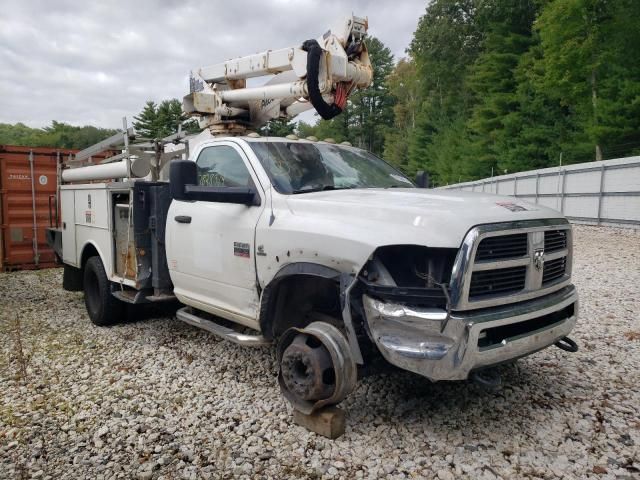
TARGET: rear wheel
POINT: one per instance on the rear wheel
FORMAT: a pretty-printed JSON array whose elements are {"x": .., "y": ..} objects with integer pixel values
[{"x": 102, "y": 307}]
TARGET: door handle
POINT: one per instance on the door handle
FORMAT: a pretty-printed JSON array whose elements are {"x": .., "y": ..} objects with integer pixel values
[{"x": 182, "y": 218}]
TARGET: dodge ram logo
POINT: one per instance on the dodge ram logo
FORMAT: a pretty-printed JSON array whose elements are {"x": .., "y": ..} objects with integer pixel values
[{"x": 538, "y": 259}]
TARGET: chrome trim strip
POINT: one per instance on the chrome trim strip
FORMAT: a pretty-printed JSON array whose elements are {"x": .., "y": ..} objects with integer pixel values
[
  {"x": 497, "y": 264},
  {"x": 522, "y": 311},
  {"x": 557, "y": 254},
  {"x": 464, "y": 263}
]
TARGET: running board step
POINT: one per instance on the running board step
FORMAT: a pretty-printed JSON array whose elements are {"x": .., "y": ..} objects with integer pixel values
[
  {"x": 227, "y": 333},
  {"x": 139, "y": 296}
]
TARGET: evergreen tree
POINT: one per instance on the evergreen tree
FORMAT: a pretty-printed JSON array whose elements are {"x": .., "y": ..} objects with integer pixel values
[
  {"x": 158, "y": 121},
  {"x": 371, "y": 109},
  {"x": 337, "y": 128},
  {"x": 590, "y": 53},
  {"x": 535, "y": 131},
  {"x": 404, "y": 87},
  {"x": 445, "y": 45},
  {"x": 278, "y": 127},
  {"x": 492, "y": 81},
  {"x": 304, "y": 129},
  {"x": 169, "y": 117},
  {"x": 146, "y": 122}
]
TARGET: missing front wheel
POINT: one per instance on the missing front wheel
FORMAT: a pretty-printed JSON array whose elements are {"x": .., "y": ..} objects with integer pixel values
[{"x": 316, "y": 366}]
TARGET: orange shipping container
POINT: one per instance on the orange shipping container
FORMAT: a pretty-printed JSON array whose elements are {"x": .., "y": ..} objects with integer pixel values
[
  {"x": 18, "y": 196},
  {"x": 19, "y": 193}
]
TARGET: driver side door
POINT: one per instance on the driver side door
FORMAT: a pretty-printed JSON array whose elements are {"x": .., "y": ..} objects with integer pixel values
[{"x": 210, "y": 248}]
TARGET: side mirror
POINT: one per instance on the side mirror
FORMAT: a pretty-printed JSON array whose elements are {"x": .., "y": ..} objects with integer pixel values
[
  {"x": 183, "y": 184},
  {"x": 422, "y": 179},
  {"x": 181, "y": 174}
]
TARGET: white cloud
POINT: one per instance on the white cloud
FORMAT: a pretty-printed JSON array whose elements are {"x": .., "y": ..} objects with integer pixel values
[{"x": 95, "y": 62}]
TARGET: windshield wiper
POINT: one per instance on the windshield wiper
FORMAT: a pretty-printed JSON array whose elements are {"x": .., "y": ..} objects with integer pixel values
[{"x": 318, "y": 189}]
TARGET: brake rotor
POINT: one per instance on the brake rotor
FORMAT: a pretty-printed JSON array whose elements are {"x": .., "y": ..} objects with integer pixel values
[{"x": 316, "y": 366}]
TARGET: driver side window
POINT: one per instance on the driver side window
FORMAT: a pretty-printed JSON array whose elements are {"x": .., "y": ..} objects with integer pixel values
[{"x": 222, "y": 166}]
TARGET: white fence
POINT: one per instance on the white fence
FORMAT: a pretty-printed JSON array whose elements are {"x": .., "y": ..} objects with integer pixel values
[{"x": 606, "y": 192}]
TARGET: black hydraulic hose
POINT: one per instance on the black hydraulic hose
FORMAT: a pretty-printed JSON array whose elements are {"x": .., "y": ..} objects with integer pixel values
[{"x": 314, "y": 53}]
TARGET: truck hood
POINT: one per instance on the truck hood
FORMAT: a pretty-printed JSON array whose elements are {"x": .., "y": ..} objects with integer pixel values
[{"x": 436, "y": 218}]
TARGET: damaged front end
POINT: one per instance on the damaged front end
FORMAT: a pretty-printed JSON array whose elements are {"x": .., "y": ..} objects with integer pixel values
[{"x": 405, "y": 295}]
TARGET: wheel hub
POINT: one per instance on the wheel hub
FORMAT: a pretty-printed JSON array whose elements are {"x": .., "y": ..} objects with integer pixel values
[
  {"x": 316, "y": 366},
  {"x": 307, "y": 369}
]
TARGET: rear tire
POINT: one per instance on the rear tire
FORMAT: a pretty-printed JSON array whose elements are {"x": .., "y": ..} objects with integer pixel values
[{"x": 103, "y": 308}]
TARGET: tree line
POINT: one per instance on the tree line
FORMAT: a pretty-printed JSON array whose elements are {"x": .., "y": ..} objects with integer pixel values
[
  {"x": 56, "y": 135},
  {"x": 487, "y": 87},
  {"x": 153, "y": 121}
]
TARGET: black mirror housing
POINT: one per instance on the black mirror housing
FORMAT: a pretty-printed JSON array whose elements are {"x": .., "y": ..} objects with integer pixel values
[
  {"x": 183, "y": 184},
  {"x": 242, "y": 195},
  {"x": 181, "y": 173}
]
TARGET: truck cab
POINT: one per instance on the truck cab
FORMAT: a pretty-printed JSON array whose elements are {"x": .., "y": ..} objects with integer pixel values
[{"x": 440, "y": 283}]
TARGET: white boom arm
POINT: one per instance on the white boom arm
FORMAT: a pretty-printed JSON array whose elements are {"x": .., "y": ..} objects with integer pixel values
[{"x": 320, "y": 74}]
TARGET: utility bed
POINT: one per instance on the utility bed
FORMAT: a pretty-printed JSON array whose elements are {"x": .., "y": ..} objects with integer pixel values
[{"x": 125, "y": 224}]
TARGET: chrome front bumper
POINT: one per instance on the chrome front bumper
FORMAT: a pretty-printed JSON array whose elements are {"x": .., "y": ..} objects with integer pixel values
[{"x": 412, "y": 338}]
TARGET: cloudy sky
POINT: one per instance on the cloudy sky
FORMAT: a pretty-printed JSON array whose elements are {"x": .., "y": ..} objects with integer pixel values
[{"x": 93, "y": 62}]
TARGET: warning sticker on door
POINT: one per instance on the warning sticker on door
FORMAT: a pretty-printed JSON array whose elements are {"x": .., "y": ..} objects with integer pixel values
[{"x": 241, "y": 249}]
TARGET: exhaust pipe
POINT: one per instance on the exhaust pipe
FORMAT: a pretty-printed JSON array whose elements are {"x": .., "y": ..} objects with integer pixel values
[{"x": 566, "y": 344}]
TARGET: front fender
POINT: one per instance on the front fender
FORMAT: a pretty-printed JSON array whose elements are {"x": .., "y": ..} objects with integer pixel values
[
  {"x": 268, "y": 298},
  {"x": 268, "y": 295}
]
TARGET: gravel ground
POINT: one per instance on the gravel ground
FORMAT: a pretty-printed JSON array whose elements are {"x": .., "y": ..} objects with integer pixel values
[{"x": 155, "y": 398}]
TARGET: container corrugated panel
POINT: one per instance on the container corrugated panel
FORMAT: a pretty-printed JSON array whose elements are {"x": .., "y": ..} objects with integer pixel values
[
  {"x": 17, "y": 248},
  {"x": 16, "y": 201}
]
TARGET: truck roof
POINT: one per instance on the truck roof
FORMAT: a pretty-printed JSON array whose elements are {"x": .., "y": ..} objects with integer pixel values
[{"x": 290, "y": 139}]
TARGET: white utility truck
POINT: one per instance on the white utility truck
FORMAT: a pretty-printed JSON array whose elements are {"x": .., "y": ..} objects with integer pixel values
[{"x": 322, "y": 249}]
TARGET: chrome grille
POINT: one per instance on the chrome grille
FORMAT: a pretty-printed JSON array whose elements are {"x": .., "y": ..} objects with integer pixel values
[
  {"x": 555, "y": 240},
  {"x": 511, "y": 262},
  {"x": 507, "y": 246},
  {"x": 493, "y": 282},
  {"x": 553, "y": 270}
]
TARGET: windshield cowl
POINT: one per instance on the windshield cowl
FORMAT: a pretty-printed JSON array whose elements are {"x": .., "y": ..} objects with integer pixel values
[{"x": 321, "y": 188}]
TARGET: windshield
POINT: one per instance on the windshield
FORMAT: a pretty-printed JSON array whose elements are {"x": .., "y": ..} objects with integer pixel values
[{"x": 296, "y": 167}]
